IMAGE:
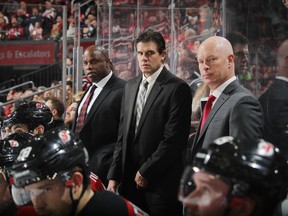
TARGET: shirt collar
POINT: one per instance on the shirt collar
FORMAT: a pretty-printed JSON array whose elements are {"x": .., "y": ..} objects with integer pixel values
[
  {"x": 103, "y": 81},
  {"x": 282, "y": 78},
  {"x": 151, "y": 79},
  {"x": 218, "y": 91}
]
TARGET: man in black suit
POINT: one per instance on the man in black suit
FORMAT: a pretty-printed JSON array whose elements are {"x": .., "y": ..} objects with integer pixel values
[
  {"x": 235, "y": 111},
  {"x": 275, "y": 103},
  {"x": 148, "y": 159},
  {"x": 100, "y": 128}
]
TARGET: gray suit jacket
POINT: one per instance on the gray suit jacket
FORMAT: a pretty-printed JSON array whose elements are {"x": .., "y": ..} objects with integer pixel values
[{"x": 236, "y": 113}]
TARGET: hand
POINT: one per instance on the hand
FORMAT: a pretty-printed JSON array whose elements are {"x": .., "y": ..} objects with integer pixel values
[
  {"x": 112, "y": 186},
  {"x": 140, "y": 181}
]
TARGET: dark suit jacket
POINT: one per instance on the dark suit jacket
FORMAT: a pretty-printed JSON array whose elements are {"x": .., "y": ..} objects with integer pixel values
[
  {"x": 275, "y": 107},
  {"x": 99, "y": 133},
  {"x": 236, "y": 113},
  {"x": 161, "y": 136}
]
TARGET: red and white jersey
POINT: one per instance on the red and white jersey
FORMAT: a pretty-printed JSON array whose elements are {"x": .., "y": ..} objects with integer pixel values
[{"x": 96, "y": 183}]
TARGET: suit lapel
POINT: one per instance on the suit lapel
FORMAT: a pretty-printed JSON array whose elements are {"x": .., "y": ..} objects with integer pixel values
[
  {"x": 218, "y": 104},
  {"x": 133, "y": 90},
  {"x": 155, "y": 91}
]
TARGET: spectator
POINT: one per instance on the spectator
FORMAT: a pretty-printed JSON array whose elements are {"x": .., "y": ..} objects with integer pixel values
[
  {"x": 36, "y": 31},
  {"x": 22, "y": 18},
  {"x": 148, "y": 157},
  {"x": 15, "y": 31},
  {"x": 27, "y": 92},
  {"x": 69, "y": 66},
  {"x": 103, "y": 109},
  {"x": 56, "y": 31},
  {"x": 48, "y": 17},
  {"x": 71, "y": 110},
  {"x": 57, "y": 109},
  {"x": 232, "y": 101},
  {"x": 39, "y": 97},
  {"x": 213, "y": 185},
  {"x": 70, "y": 114},
  {"x": 77, "y": 96},
  {"x": 58, "y": 180},
  {"x": 5, "y": 18},
  {"x": 71, "y": 27},
  {"x": 69, "y": 91},
  {"x": 35, "y": 16}
]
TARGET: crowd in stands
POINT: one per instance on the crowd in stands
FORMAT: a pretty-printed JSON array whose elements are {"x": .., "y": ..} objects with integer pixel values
[{"x": 193, "y": 22}]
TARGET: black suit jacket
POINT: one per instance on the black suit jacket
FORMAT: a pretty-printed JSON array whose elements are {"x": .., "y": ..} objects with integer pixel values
[
  {"x": 161, "y": 136},
  {"x": 99, "y": 133},
  {"x": 275, "y": 107},
  {"x": 236, "y": 113}
]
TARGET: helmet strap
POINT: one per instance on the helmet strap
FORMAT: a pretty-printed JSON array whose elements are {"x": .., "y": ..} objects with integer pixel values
[{"x": 75, "y": 202}]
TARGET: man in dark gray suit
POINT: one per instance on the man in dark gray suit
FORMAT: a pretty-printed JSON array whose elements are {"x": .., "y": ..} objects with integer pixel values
[
  {"x": 275, "y": 103},
  {"x": 235, "y": 111},
  {"x": 148, "y": 158},
  {"x": 101, "y": 118}
]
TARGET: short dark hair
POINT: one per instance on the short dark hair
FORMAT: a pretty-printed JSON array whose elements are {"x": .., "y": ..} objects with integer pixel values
[
  {"x": 103, "y": 51},
  {"x": 58, "y": 105},
  {"x": 236, "y": 38},
  {"x": 153, "y": 36}
]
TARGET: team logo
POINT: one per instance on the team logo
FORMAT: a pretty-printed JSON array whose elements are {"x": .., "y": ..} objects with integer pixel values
[
  {"x": 13, "y": 143},
  {"x": 265, "y": 148},
  {"x": 64, "y": 136},
  {"x": 39, "y": 105}
]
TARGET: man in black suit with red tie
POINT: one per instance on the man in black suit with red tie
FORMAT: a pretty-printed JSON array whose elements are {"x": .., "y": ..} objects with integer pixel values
[
  {"x": 101, "y": 114},
  {"x": 148, "y": 157}
]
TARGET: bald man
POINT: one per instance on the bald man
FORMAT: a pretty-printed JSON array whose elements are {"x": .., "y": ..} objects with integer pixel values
[
  {"x": 275, "y": 103},
  {"x": 235, "y": 111}
]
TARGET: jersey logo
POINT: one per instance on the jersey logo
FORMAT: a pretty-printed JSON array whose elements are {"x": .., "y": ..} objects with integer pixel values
[
  {"x": 24, "y": 153},
  {"x": 265, "y": 148},
  {"x": 13, "y": 143},
  {"x": 64, "y": 136},
  {"x": 39, "y": 105}
]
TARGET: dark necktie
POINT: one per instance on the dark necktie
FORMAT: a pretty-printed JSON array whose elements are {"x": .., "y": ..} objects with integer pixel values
[
  {"x": 140, "y": 102},
  {"x": 207, "y": 109},
  {"x": 83, "y": 111}
]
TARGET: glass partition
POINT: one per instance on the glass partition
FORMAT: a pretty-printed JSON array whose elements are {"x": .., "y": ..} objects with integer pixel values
[{"x": 116, "y": 24}]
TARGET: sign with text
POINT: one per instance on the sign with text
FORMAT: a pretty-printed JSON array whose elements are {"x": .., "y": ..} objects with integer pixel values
[{"x": 23, "y": 54}]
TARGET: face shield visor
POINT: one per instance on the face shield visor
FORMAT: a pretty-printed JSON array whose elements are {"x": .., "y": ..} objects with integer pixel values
[{"x": 203, "y": 193}]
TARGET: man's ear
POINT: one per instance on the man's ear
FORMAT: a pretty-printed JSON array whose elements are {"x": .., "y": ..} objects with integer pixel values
[
  {"x": 54, "y": 112},
  {"x": 243, "y": 206},
  {"x": 38, "y": 130},
  {"x": 164, "y": 53},
  {"x": 77, "y": 179},
  {"x": 230, "y": 59}
]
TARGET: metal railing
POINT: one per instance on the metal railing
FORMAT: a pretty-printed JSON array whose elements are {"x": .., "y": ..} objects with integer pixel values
[
  {"x": 44, "y": 76},
  {"x": 17, "y": 86},
  {"x": 31, "y": 95}
]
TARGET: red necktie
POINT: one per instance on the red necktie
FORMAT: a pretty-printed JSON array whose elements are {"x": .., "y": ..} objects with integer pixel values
[
  {"x": 82, "y": 115},
  {"x": 207, "y": 109}
]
